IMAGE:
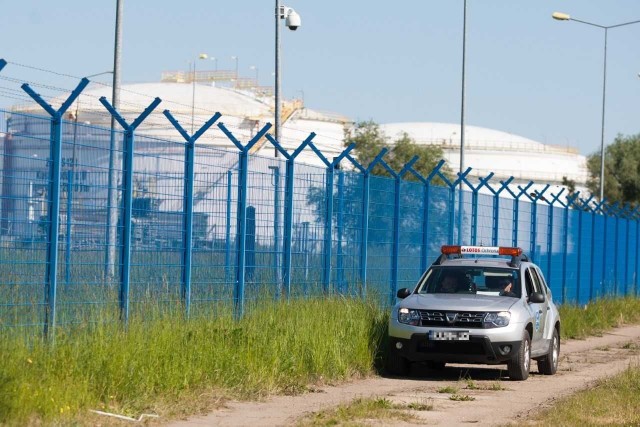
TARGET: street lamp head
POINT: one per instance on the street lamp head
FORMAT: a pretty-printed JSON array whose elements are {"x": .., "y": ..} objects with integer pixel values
[
  {"x": 559, "y": 16},
  {"x": 291, "y": 18},
  {"x": 203, "y": 56}
]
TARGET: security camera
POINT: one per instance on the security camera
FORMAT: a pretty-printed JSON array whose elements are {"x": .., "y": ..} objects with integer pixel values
[{"x": 291, "y": 18}]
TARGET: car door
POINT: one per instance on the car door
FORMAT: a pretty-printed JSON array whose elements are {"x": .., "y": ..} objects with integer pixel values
[
  {"x": 547, "y": 315},
  {"x": 538, "y": 311}
]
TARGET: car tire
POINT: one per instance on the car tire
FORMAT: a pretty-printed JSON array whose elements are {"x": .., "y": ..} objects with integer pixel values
[
  {"x": 549, "y": 364},
  {"x": 435, "y": 366},
  {"x": 396, "y": 364},
  {"x": 518, "y": 367}
]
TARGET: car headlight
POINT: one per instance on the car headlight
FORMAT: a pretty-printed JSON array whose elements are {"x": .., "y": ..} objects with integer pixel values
[
  {"x": 409, "y": 316},
  {"x": 497, "y": 320}
]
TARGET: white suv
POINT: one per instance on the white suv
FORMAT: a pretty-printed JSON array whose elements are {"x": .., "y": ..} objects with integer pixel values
[{"x": 473, "y": 306}]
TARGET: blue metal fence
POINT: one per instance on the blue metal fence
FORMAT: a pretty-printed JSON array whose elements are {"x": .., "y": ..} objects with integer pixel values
[{"x": 198, "y": 227}]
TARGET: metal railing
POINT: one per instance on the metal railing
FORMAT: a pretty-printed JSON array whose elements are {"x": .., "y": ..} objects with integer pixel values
[{"x": 199, "y": 227}]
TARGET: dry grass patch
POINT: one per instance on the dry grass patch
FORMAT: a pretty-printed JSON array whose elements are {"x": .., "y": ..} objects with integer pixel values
[
  {"x": 361, "y": 409},
  {"x": 613, "y": 401}
]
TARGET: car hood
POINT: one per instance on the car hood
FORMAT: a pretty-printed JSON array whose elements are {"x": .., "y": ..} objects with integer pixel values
[{"x": 457, "y": 302}]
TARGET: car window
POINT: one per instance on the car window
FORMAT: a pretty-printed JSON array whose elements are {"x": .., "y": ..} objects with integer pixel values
[
  {"x": 531, "y": 282},
  {"x": 528, "y": 282},
  {"x": 471, "y": 280},
  {"x": 540, "y": 280}
]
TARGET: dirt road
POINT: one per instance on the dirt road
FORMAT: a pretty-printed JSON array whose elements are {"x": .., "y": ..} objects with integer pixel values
[{"x": 498, "y": 401}]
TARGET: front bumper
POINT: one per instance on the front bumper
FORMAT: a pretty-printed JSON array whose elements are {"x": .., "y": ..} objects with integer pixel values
[{"x": 478, "y": 349}]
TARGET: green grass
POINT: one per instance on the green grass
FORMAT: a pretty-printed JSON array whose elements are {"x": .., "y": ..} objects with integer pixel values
[
  {"x": 598, "y": 316},
  {"x": 613, "y": 401},
  {"x": 461, "y": 398},
  {"x": 161, "y": 359},
  {"x": 448, "y": 389},
  {"x": 362, "y": 409},
  {"x": 165, "y": 364}
]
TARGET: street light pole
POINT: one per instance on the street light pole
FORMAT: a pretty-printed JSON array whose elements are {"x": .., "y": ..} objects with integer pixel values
[
  {"x": 112, "y": 190},
  {"x": 293, "y": 22},
  {"x": 277, "y": 79},
  {"x": 236, "y": 59},
  {"x": 559, "y": 16},
  {"x": 193, "y": 89},
  {"x": 462, "y": 105},
  {"x": 462, "y": 111},
  {"x": 255, "y": 68}
]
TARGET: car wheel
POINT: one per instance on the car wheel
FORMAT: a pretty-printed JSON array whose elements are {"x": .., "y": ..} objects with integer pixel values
[
  {"x": 518, "y": 367},
  {"x": 396, "y": 364},
  {"x": 435, "y": 366},
  {"x": 549, "y": 364}
]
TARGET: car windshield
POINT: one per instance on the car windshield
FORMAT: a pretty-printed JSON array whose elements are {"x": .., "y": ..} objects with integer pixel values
[{"x": 472, "y": 280}]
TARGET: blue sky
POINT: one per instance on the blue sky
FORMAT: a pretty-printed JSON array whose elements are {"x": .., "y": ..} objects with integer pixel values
[{"x": 387, "y": 61}]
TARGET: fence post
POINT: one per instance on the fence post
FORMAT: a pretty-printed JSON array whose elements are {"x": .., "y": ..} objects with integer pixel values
[
  {"x": 458, "y": 184},
  {"x": 612, "y": 211},
  {"x": 425, "y": 216},
  {"x": 187, "y": 203},
  {"x": 516, "y": 212},
  {"x": 594, "y": 212},
  {"x": 288, "y": 207},
  {"x": 326, "y": 279},
  {"x": 615, "y": 212},
  {"x": 55, "y": 162},
  {"x": 340, "y": 230},
  {"x": 365, "y": 216},
  {"x": 227, "y": 251},
  {"x": 452, "y": 207},
  {"x": 550, "y": 230},
  {"x": 397, "y": 176},
  {"x": 67, "y": 254},
  {"x": 570, "y": 201},
  {"x": 474, "y": 203},
  {"x": 241, "y": 227},
  {"x": 605, "y": 218},
  {"x": 328, "y": 222},
  {"x": 585, "y": 204},
  {"x": 365, "y": 232},
  {"x": 127, "y": 196},
  {"x": 496, "y": 209},
  {"x": 277, "y": 276},
  {"x": 474, "y": 215},
  {"x": 534, "y": 222},
  {"x": 635, "y": 276},
  {"x": 626, "y": 251}
]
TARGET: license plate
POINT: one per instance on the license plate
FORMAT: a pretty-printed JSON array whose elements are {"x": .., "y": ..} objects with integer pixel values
[{"x": 449, "y": 335}]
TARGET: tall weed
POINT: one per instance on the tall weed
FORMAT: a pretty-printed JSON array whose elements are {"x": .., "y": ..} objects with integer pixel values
[{"x": 279, "y": 347}]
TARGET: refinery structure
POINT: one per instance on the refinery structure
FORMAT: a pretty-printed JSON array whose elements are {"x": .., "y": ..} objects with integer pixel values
[{"x": 193, "y": 98}]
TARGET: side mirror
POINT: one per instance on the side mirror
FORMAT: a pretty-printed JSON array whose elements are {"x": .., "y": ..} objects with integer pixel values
[
  {"x": 403, "y": 293},
  {"x": 536, "y": 298}
]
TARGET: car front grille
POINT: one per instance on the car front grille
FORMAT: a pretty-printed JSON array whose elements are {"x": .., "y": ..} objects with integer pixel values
[{"x": 463, "y": 319}]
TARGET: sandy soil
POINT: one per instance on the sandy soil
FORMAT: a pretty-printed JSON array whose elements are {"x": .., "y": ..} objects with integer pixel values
[{"x": 582, "y": 362}]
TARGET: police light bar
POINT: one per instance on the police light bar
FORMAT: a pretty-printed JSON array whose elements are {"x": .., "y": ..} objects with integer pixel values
[{"x": 480, "y": 250}]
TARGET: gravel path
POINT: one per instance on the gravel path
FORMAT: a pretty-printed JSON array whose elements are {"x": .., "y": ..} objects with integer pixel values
[{"x": 582, "y": 362}]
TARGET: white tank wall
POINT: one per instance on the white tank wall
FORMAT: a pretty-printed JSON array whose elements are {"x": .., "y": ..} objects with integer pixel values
[{"x": 504, "y": 154}]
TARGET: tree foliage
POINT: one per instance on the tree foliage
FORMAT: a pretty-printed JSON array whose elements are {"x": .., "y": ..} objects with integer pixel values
[
  {"x": 370, "y": 140},
  {"x": 621, "y": 170}
]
